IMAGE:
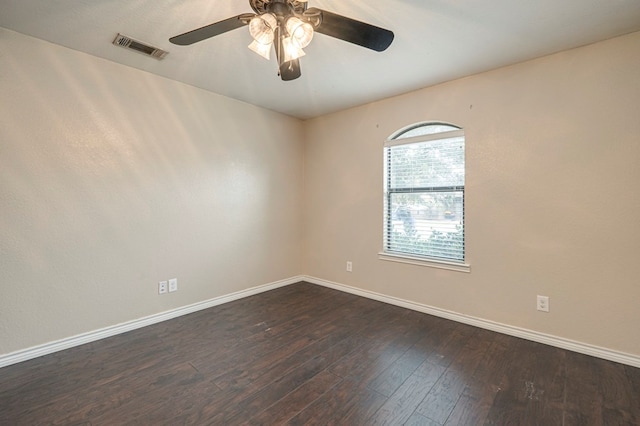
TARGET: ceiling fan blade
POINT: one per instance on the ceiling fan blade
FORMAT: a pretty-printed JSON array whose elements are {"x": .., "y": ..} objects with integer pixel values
[
  {"x": 290, "y": 70},
  {"x": 212, "y": 30},
  {"x": 347, "y": 29}
]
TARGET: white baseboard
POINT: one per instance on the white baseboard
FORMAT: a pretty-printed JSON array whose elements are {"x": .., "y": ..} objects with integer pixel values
[
  {"x": 92, "y": 336},
  {"x": 547, "y": 339},
  {"x": 59, "y": 345}
]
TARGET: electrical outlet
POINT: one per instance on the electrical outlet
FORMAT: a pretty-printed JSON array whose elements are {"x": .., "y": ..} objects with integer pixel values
[
  {"x": 173, "y": 285},
  {"x": 543, "y": 303},
  {"x": 162, "y": 287},
  {"x": 349, "y": 266}
]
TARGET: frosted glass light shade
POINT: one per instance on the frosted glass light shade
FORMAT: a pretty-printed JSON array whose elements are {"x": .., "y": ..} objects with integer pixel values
[
  {"x": 262, "y": 28},
  {"x": 291, "y": 49},
  {"x": 263, "y": 50},
  {"x": 300, "y": 32}
]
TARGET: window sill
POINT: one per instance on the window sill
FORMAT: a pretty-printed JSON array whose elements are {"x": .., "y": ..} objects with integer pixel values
[{"x": 420, "y": 261}]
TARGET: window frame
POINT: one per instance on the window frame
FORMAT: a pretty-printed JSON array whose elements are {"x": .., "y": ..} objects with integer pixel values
[{"x": 416, "y": 259}]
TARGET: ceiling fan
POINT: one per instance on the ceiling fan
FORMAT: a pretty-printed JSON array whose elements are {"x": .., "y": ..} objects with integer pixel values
[{"x": 288, "y": 26}]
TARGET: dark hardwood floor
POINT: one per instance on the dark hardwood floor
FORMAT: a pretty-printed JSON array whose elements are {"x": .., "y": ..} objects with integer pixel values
[{"x": 305, "y": 354}]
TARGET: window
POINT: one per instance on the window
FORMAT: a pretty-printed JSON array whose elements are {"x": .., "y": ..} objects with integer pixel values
[{"x": 424, "y": 194}]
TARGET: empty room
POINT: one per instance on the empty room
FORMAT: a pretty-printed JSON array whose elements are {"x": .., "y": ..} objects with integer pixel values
[{"x": 266, "y": 212}]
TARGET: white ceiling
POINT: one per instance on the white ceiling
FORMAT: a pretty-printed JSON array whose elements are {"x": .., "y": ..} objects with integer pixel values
[{"x": 435, "y": 41}]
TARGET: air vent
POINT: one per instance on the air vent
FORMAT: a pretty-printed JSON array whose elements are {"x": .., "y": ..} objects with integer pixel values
[{"x": 145, "y": 49}]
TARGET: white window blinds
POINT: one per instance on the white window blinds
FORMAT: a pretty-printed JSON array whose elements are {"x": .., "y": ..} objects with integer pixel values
[{"x": 424, "y": 193}]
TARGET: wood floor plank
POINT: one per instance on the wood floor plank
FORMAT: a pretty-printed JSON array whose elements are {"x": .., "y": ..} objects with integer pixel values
[
  {"x": 420, "y": 420},
  {"x": 156, "y": 398},
  {"x": 446, "y": 350},
  {"x": 383, "y": 346},
  {"x": 485, "y": 383},
  {"x": 492, "y": 376},
  {"x": 618, "y": 399},
  {"x": 305, "y": 354},
  {"x": 443, "y": 397},
  {"x": 297, "y": 400},
  {"x": 401, "y": 405},
  {"x": 340, "y": 343},
  {"x": 633, "y": 376},
  {"x": 583, "y": 401},
  {"x": 248, "y": 351},
  {"x": 545, "y": 387},
  {"x": 350, "y": 398},
  {"x": 391, "y": 378},
  {"x": 240, "y": 413},
  {"x": 261, "y": 393},
  {"x": 472, "y": 408},
  {"x": 262, "y": 386},
  {"x": 515, "y": 392},
  {"x": 366, "y": 406},
  {"x": 327, "y": 332}
]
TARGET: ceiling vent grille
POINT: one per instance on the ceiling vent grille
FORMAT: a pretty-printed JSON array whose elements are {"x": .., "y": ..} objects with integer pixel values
[{"x": 145, "y": 49}]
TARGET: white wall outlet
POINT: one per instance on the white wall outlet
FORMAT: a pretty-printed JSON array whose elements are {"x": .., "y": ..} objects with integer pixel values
[
  {"x": 543, "y": 303},
  {"x": 173, "y": 285},
  {"x": 349, "y": 266},
  {"x": 162, "y": 287}
]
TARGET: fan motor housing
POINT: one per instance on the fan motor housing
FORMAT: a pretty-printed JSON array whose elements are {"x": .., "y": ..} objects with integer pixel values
[{"x": 276, "y": 6}]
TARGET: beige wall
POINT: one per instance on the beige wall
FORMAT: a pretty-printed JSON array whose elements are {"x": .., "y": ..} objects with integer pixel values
[
  {"x": 553, "y": 158},
  {"x": 112, "y": 179}
]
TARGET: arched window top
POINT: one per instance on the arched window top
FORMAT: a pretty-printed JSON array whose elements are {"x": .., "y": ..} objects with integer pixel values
[{"x": 423, "y": 129}]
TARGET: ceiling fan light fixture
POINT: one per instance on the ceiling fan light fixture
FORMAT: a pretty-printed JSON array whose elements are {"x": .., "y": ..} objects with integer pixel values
[
  {"x": 262, "y": 28},
  {"x": 300, "y": 32},
  {"x": 288, "y": 26},
  {"x": 261, "y": 49},
  {"x": 291, "y": 49}
]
